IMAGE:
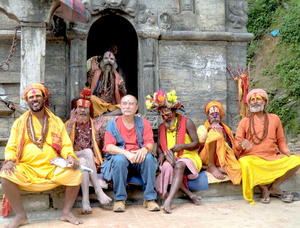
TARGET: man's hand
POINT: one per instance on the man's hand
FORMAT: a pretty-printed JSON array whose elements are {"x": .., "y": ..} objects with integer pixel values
[
  {"x": 245, "y": 144},
  {"x": 170, "y": 157},
  {"x": 8, "y": 167},
  {"x": 130, "y": 156},
  {"x": 73, "y": 116},
  {"x": 178, "y": 147},
  {"x": 161, "y": 159},
  {"x": 140, "y": 155},
  {"x": 73, "y": 162}
]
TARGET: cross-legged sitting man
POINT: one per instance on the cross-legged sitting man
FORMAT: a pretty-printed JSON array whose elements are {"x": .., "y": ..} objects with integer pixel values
[
  {"x": 218, "y": 151},
  {"x": 36, "y": 138},
  {"x": 177, "y": 149},
  {"x": 265, "y": 159},
  {"x": 83, "y": 136},
  {"x": 128, "y": 144}
]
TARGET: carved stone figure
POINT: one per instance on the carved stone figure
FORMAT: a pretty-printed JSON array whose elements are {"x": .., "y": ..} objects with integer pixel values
[
  {"x": 165, "y": 21},
  {"x": 238, "y": 13},
  {"x": 128, "y": 6}
]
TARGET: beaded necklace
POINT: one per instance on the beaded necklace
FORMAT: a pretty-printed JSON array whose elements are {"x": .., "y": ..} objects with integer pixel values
[
  {"x": 31, "y": 133},
  {"x": 252, "y": 132}
]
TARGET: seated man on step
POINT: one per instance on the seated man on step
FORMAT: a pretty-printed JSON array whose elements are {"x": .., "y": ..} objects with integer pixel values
[
  {"x": 37, "y": 137},
  {"x": 128, "y": 144},
  {"x": 82, "y": 132},
  {"x": 265, "y": 159},
  {"x": 218, "y": 151}
]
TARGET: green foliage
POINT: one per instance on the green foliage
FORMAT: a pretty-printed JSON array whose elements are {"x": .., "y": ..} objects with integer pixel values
[
  {"x": 259, "y": 20},
  {"x": 286, "y": 112},
  {"x": 260, "y": 15},
  {"x": 290, "y": 27}
]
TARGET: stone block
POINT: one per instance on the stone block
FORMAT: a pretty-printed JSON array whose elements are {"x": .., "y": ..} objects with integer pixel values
[
  {"x": 36, "y": 202},
  {"x": 57, "y": 196}
]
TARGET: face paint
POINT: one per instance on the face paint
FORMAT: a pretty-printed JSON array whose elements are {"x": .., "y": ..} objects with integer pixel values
[
  {"x": 213, "y": 109},
  {"x": 34, "y": 92},
  {"x": 83, "y": 103}
]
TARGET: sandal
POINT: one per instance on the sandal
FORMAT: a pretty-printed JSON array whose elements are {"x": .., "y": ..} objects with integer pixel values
[
  {"x": 296, "y": 196},
  {"x": 286, "y": 197}
]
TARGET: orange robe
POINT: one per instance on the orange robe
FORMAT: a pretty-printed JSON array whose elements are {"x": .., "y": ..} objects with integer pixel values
[
  {"x": 263, "y": 163},
  {"x": 225, "y": 156}
]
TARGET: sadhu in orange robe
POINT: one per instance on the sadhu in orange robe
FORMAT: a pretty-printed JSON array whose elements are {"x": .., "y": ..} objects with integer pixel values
[{"x": 225, "y": 156}]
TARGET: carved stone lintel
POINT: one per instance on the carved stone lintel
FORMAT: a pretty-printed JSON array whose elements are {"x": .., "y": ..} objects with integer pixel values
[
  {"x": 129, "y": 7},
  {"x": 237, "y": 13}
]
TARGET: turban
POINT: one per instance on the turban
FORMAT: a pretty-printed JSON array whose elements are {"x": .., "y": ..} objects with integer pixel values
[
  {"x": 85, "y": 93},
  {"x": 260, "y": 92},
  {"x": 217, "y": 104},
  {"x": 38, "y": 86}
]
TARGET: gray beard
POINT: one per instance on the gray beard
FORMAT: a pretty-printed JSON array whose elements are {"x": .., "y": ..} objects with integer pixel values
[{"x": 257, "y": 108}]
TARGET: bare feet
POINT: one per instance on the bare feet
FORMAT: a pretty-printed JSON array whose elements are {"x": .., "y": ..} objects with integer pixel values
[
  {"x": 167, "y": 207},
  {"x": 265, "y": 194},
  {"x": 195, "y": 199},
  {"x": 102, "y": 197},
  {"x": 69, "y": 217},
  {"x": 216, "y": 172},
  {"x": 274, "y": 190},
  {"x": 103, "y": 184},
  {"x": 86, "y": 207},
  {"x": 19, "y": 220}
]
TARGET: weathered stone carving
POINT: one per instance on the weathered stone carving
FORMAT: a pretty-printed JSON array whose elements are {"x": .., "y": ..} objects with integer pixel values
[
  {"x": 187, "y": 5},
  {"x": 146, "y": 17},
  {"x": 165, "y": 21},
  {"x": 237, "y": 13},
  {"x": 127, "y": 6}
]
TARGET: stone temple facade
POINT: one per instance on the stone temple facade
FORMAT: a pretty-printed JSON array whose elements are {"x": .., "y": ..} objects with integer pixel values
[{"x": 184, "y": 45}]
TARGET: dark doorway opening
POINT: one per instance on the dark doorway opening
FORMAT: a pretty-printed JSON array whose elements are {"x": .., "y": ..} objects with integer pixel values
[{"x": 112, "y": 30}]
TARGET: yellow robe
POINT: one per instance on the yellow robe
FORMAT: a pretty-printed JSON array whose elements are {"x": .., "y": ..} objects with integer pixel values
[
  {"x": 258, "y": 171},
  {"x": 224, "y": 153},
  {"x": 33, "y": 170},
  {"x": 190, "y": 154}
]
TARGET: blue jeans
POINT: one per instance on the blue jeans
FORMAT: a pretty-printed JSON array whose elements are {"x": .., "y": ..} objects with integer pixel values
[{"x": 120, "y": 166}]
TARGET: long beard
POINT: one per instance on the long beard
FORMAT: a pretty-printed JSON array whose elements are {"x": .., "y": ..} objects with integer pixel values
[{"x": 257, "y": 108}]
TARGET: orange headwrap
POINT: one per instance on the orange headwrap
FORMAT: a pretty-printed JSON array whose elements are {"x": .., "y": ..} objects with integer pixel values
[
  {"x": 260, "y": 92},
  {"x": 217, "y": 104},
  {"x": 38, "y": 86}
]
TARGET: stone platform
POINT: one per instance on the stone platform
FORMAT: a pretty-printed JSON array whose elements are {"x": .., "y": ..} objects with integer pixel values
[{"x": 52, "y": 200}]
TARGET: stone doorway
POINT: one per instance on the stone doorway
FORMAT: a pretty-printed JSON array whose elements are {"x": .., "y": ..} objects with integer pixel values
[{"x": 115, "y": 30}]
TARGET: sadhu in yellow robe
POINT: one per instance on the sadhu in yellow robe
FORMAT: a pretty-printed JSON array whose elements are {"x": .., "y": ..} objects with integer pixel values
[
  {"x": 33, "y": 171},
  {"x": 225, "y": 156}
]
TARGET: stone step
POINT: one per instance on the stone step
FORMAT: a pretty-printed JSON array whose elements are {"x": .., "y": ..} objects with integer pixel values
[
  {"x": 2, "y": 149},
  {"x": 225, "y": 190}
]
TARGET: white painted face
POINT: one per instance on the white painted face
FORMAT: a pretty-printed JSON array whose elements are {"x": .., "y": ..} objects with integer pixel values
[
  {"x": 109, "y": 58},
  {"x": 114, "y": 3}
]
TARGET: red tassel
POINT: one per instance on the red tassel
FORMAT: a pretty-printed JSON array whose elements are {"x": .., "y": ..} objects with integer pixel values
[{"x": 6, "y": 208}]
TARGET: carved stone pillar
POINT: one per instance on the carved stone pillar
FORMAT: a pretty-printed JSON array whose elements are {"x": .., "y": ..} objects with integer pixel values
[
  {"x": 148, "y": 81},
  {"x": 77, "y": 74},
  {"x": 33, "y": 48}
]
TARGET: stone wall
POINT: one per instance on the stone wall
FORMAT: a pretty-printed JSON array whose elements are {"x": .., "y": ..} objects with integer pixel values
[{"x": 197, "y": 71}]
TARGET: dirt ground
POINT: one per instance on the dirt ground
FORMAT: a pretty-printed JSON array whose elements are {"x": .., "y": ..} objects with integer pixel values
[{"x": 221, "y": 214}]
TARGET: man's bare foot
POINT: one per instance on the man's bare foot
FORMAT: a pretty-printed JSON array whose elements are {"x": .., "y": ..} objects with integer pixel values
[
  {"x": 216, "y": 172},
  {"x": 274, "y": 190},
  {"x": 103, "y": 184},
  {"x": 86, "y": 207},
  {"x": 102, "y": 197},
  {"x": 18, "y": 220},
  {"x": 222, "y": 170},
  {"x": 265, "y": 194},
  {"x": 167, "y": 207},
  {"x": 69, "y": 217},
  {"x": 195, "y": 199}
]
